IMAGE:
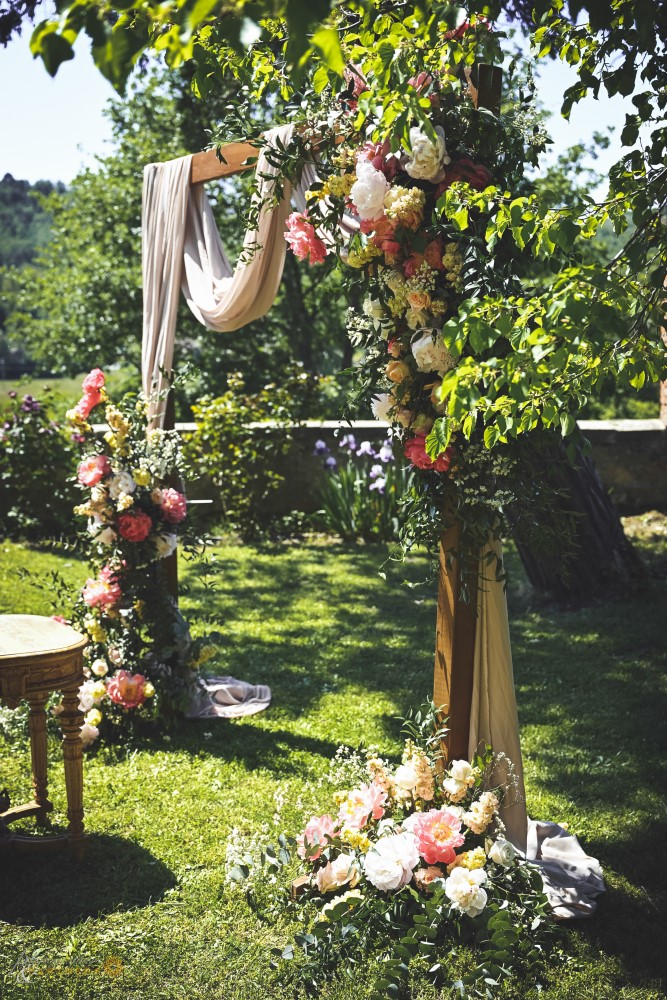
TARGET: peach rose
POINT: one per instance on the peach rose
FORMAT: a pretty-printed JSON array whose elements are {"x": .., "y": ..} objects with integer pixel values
[{"x": 397, "y": 371}]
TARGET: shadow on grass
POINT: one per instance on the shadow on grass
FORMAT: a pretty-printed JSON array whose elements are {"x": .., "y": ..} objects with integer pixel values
[{"x": 53, "y": 890}]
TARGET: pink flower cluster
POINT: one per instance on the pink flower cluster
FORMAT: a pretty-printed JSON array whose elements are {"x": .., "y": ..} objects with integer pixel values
[
  {"x": 127, "y": 689},
  {"x": 104, "y": 591},
  {"x": 92, "y": 386},
  {"x": 415, "y": 452},
  {"x": 361, "y": 805},
  {"x": 317, "y": 830},
  {"x": 303, "y": 240}
]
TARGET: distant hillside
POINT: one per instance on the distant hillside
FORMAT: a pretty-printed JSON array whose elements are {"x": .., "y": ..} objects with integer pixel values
[{"x": 24, "y": 225}]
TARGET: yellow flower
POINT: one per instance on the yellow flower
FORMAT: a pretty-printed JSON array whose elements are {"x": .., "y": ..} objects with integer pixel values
[
  {"x": 356, "y": 839},
  {"x": 340, "y": 186},
  {"x": 142, "y": 477},
  {"x": 83, "y": 510},
  {"x": 94, "y": 717},
  {"x": 469, "y": 859},
  {"x": 124, "y": 501},
  {"x": 405, "y": 206},
  {"x": 149, "y": 690},
  {"x": 140, "y": 607},
  {"x": 111, "y": 440},
  {"x": 359, "y": 258},
  {"x": 94, "y": 630}
]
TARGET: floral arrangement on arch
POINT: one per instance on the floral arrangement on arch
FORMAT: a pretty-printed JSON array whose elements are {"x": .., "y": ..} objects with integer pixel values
[
  {"x": 411, "y": 860},
  {"x": 141, "y": 661},
  {"x": 413, "y": 267}
]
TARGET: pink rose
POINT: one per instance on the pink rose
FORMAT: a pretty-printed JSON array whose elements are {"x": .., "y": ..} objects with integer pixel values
[
  {"x": 433, "y": 255},
  {"x": 303, "y": 239},
  {"x": 134, "y": 526},
  {"x": 412, "y": 264},
  {"x": 438, "y": 832},
  {"x": 93, "y": 381},
  {"x": 361, "y": 805},
  {"x": 126, "y": 689},
  {"x": 415, "y": 452},
  {"x": 173, "y": 505},
  {"x": 318, "y": 829},
  {"x": 104, "y": 591},
  {"x": 93, "y": 469},
  {"x": 88, "y": 402}
]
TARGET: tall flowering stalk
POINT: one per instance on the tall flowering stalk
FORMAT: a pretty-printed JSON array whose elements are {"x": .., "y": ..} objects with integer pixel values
[{"x": 141, "y": 659}]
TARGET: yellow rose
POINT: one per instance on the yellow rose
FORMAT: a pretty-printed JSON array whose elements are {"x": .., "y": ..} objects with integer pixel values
[
  {"x": 397, "y": 371},
  {"x": 142, "y": 477},
  {"x": 149, "y": 690},
  {"x": 94, "y": 717}
]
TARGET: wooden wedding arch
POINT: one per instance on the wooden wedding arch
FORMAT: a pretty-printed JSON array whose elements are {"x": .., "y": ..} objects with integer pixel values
[{"x": 456, "y": 620}]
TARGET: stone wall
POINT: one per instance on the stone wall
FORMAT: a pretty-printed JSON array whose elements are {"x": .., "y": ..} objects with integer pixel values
[{"x": 631, "y": 457}]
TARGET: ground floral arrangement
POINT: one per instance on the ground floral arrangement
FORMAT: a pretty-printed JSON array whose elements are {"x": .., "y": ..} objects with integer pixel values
[
  {"x": 412, "y": 863},
  {"x": 141, "y": 662}
]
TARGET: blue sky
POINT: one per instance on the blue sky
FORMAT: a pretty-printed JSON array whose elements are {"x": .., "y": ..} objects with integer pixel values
[{"x": 51, "y": 127}]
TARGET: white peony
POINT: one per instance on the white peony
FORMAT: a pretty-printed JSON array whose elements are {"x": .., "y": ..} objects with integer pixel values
[
  {"x": 381, "y": 405},
  {"x": 390, "y": 863},
  {"x": 464, "y": 889},
  {"x": 406, "y": 777},
  {"x": 337, "y": 873},
  {"x": 165, "y": 545},
  {"x": 426, "y": 157},
  {"x": 429, "y": 351},
  {"x": 99, "y": 668},
  {"x": 122, "y": 482},
  {"x": 502, "y": 852},
  {"x": 368, "y": 191}
]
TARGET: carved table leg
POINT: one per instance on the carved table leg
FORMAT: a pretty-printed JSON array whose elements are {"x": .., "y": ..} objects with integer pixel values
[
  {"x": 71, "y": 720},
  {"x": 37, "y": 726}
]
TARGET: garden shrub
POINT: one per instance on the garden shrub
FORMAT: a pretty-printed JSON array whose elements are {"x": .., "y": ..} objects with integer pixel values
[{"x": 37, "y": 457}]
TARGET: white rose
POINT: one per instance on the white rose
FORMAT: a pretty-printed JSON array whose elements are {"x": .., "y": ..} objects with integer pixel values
[
  {"x": 429, "y": 351},
  {"x": 373, "y": 308},
  {"x": 502, "y": 852},
  {"x": 390, "y": 863},
  {"x": 368, "y": 191},
  {"x": 89, "y": 734},
  {"x": 165, "y": 545},
  {"x": 416, "y": 318},
  {"x": 381, "y": 405},
  {"x": 464, "y": 889},
  {"x": 426, "y": 157},
  {"x": 337, "y": 873},
  {"x": 122, "y": 482},
  {"x": 87, "y": 696},
  {"x": 406, "y": 777},
  {"x": 99, "y": 668}
]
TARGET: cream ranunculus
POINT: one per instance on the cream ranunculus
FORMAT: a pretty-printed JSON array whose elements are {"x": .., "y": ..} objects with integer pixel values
[
  {"x": 99, "y": 667},
  {"x": 165, "y": 545},
  {"x": 502, "y": 852},
  {"x": 464, "y": 889},
  {"x": 122, "y": 482},
  {"x": 389, "y": 865},
  {"x": 429, "y": 351},
  {"x": 337, "y": 873},
  {"x": 368, "y": 191},
  {"x": 426, "y": 157}
]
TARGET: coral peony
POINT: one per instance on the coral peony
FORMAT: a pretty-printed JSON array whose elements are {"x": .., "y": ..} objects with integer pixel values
[
  {"x": 438, "y": 832},
  {"x": 93, "y": 469},
  {"x": 134, "y": 526},
  {"x": 315, "y": 834},
  {"x": 173, "y": 505},
  {"x": 415, "y": 452},
  {"x": 303, "y": 240},
  {"x": 127, "y": 689}
]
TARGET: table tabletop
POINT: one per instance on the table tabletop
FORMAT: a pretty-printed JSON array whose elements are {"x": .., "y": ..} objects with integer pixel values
[{"x": 30, "y": 635}]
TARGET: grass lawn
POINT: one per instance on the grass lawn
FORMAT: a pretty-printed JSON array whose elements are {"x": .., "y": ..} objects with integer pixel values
[
  {"x": 65, "y": 392},
  {"x": 150, "y": 914}
]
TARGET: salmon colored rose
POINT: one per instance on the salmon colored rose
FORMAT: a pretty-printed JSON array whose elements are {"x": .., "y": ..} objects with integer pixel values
[
  {"x": 93, "y": 469},
  {"x": 127, "y": 689},
  {"x": 415, "y": 452},
  {"x": 134, "y": 526}
]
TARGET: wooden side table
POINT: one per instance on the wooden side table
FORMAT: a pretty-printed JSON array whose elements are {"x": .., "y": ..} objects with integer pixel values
[{"x": 38, "y": 656}]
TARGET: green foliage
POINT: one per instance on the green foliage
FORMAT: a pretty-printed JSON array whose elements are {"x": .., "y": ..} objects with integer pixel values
[
  {"x": 24, "y": 223},
  {"x": 240, "y": 440},
  {"x": 36, "y": 459},
  {"x": 362, "y": 490}
]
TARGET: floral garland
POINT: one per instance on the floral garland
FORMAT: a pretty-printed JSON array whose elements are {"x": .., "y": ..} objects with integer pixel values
[
  {"x": 413, "y": 860},
  {"x": 141, "y": 661},
  {"x": 413, "y": 268}
]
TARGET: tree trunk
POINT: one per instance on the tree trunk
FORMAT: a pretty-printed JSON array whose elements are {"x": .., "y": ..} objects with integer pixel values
[{"x": 602, "y": 557}]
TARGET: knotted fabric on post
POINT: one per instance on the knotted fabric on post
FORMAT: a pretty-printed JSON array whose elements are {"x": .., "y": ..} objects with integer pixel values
[{"x": 181, "y": 249}]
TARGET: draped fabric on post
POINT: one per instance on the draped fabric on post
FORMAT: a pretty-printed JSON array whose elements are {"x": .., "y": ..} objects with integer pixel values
[
  {"x": 572, "y": 879},
  {"x": 182, "y": 249}
]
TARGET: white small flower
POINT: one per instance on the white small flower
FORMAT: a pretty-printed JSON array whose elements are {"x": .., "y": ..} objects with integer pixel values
[
  {"x": 369, "y": 190},
  {"x": 406, "y": 777},
  {"x": 122, "y": 482},
  {"x": 99, "y": 668},
  {"x": 427, "y": 158},
  {"x": 89, "y": 734},
  {"x": 502, "y": 852},
  {"x": 165, "y": 545},
  {"x": 381, "y": 405},
  {"x": 390, "y": 863},
  {"x": 464, "y": 889},
  {"x": 429, "y": 351}
]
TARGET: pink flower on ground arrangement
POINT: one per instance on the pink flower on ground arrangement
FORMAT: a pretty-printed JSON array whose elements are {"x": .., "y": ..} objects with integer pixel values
[
  {"x": 318, "y": 828},
  {"x": 303, "y": 239},
  {"x": 93, "y": 469},
  {"x": 438, "y": 832},
  {"x": 173, "y": 504},
  {"x": 104, "y": 591},
  {"x": 127, "y": 689},
  {"x": 415, "y": 452},
  {"x": 361, "y": 805},
  {"x": 134, "y": 526}
]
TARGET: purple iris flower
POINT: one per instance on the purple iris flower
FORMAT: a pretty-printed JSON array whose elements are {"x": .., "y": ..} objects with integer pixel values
[
  {"x": 331, "y": 463},
  {"x": 385, "y": 454},
  {"x": 366, "y": 448},
  {"x": 376, "y": 471},
  {"x": 379, "y": 484},
  {"x": 348, "y": 441},
  {"x": 321, "y": 448},
  {"x": 30, "y": 404}
]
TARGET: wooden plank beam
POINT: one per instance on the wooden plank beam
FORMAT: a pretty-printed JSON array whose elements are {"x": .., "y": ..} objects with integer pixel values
[{"x": 207, "y": 166}]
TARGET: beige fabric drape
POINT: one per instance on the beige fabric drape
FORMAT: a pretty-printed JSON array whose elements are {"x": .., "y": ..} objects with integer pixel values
[
  {"x": 181, "y": 249},
  {"x": 572, "y": 879}
]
